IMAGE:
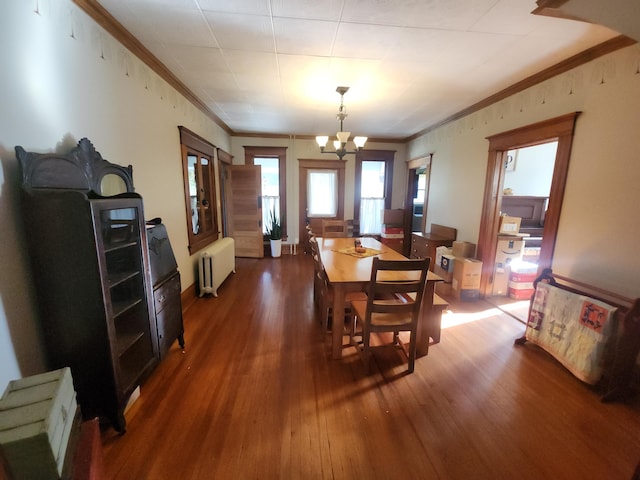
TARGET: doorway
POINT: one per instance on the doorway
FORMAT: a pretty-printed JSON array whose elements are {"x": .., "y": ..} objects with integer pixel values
[
  {"x": 525, "y": 195},
  {"x": 417, "y": 200},
  {"x": 560, "y": 129},
  {"x": 320, "y": 199}
]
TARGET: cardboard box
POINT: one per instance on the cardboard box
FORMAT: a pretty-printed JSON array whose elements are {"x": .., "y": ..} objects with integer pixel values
[
  {"x": 440, "y": 251},
  {"x": 393, "y": 217},
  {"x": 501, "y": 280},
  {"x": 520, "y": 294},
  {"x": 509, "y": 225},
  {"x": 520, "y": 290},
  {"x": 447, "y": 262},
  {"x": 446, "y": 276},
  {"x": 522, "y": 277},
  {"x": 466, "y": 274},
  {"x": 508, "y": 250},
  {"x": 468, "y": 294},
  {"x": 36, "y": 417},
  {"x": 463, "y": 249}
]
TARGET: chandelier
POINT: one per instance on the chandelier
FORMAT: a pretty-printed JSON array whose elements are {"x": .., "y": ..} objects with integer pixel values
[{"x": 340, "y": 144}]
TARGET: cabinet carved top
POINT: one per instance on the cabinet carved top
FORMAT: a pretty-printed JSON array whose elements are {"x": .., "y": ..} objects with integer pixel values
[{"x": 83, "y": 168}]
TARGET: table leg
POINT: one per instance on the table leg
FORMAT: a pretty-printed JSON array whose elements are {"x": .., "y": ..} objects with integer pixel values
[{"x": 337, "y": 329}]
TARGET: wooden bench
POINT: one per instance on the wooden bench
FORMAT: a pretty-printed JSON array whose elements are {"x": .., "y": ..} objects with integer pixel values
[
  {"x": 435, "y": 318},
  {"x": 433, "y": 321}
]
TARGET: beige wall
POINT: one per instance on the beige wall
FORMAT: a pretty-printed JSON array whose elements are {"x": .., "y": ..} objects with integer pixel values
[{"x": 598, "y": 231}]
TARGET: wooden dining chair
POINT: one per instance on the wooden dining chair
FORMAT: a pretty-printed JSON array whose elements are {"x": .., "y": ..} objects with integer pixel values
[
  {"x": 391, "y": 305},
  {"x": 334, "y": 228},
  {"x": 323, "y": 295}
]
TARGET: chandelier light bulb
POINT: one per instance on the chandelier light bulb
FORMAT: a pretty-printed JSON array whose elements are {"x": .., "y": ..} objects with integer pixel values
[{"x": 322, "y": 140}]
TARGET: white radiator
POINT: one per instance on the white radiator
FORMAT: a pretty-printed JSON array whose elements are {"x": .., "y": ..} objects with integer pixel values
[{"x": 216, "y": 264}]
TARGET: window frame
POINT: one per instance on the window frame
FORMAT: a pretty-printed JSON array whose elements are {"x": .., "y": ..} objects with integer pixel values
[
  {"x": 193, "y": 144},
  {"x": 251, "y": 152}
]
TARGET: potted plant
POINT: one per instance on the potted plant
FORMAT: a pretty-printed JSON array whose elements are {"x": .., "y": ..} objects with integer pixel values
[{"x": 274, "y": 232}]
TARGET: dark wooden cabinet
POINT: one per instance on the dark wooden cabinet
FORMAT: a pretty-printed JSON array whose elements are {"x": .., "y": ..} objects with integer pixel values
[
  {"x": 91, "y": 272},
  {"x": 424, "y": 245},
  {"x": 166, "y": 288},
  {"x": 168, "y": 309}
]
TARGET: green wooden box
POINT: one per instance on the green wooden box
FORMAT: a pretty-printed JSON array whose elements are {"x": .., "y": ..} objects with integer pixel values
[{"x": 36, "y": 416}]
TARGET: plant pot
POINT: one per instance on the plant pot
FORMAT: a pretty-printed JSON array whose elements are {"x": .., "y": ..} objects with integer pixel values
[{"x": 276, "y": 248}]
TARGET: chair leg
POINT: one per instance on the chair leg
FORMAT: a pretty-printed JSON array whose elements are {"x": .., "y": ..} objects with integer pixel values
[
  {"x": 412, "y": 352},
  {"x": 352, "y": 329},
  {"x": 366, "y": 351}
]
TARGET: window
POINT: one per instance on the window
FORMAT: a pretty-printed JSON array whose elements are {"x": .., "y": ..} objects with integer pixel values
[
  {"x": 374, "y": 179},
  {"x": 322, "y": 192},
  {"x": 199, "y": 187},
  {"x": 273, "y": 165}
]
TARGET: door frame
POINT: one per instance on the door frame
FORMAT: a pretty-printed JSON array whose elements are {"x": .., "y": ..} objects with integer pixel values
[
  {"x": 304, "y": 165},
  {"x": 412, "y": 172},
  {"x": 560, "y": 129}
]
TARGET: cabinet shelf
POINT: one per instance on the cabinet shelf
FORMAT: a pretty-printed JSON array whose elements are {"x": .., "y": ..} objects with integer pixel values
[
  {"x": 126, "y": 341},
  {"x": 122, "y": 306},
  {"x": 111, "y": 247},
  {"x": 117, "y": 278}
]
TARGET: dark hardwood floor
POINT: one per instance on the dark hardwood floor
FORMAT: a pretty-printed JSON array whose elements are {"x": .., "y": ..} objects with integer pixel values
[{"x": 256, "y": 395}]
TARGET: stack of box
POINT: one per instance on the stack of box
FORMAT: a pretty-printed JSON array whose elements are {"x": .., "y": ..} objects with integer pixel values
[
  {"x": 521, "y": 280},
  {"x": 466, "y": 271},
  {"x": 393, "y": 229},
  {"x": 36, "y": 418},
  {"x": 444, "y": 262}
]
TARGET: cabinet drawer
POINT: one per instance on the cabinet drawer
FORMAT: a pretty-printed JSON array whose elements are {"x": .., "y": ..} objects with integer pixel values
[
  {"x": 165, "y": 292},
  {"x": 419, "y": 247}
]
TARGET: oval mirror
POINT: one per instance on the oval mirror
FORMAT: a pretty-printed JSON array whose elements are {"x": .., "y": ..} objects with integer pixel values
[{"x": 112, "y": 184}]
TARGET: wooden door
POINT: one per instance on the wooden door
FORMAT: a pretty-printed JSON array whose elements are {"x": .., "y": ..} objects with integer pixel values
[{"x": 243, "y": 193}]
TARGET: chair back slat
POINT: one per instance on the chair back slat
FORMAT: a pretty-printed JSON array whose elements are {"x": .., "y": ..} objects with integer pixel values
[{"x": 334, "y": 228}]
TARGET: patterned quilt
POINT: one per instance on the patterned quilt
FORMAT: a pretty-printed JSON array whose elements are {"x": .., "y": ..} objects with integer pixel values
[{"x": 574, "y": 328}]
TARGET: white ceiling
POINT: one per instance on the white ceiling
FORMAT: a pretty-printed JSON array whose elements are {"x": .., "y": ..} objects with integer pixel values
[{"x": 272, "y": 66}]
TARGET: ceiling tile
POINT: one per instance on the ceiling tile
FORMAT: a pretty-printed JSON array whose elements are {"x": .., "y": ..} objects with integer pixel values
[
  {"x": 242, "y": 32},
  {"x": 252, "y": 7},
  {"x": 310, "y": 9},
  {"x": 318, "y": 36}
]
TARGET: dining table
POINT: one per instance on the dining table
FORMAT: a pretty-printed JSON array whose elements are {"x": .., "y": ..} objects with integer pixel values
[{"x": 348, "y": 270}]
